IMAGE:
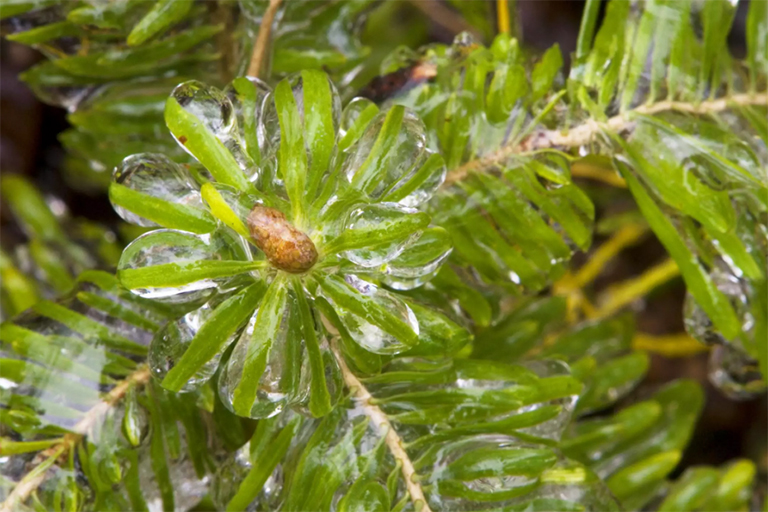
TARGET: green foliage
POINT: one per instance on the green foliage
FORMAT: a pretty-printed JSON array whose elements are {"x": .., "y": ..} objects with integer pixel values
[{"x": 345, "y": 305}]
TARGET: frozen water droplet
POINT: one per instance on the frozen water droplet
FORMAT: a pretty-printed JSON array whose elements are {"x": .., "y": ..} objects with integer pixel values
[
  {"x": 735, "y": 374},
  {"x": 351, "y": 114},
  {"x": 281, "y": 384},
  {"x": 381, "y": 172},
  {"x": 739, "y": 292},
  {"x": 216, "y": 112},
  {"x": 164, "y": 247},
  {"x": 172, "y": 341},
  {"x": 484, "y": 465},
  {"x": 247, "y": 95},
  {"x": 312, "y": 129},
  {"x": 367, "y": 335},
  {"x": 373, "y": 217},
  {"x": 553, "y": 428},
  {"x": 419, "y": 261},
  {"x": 229, "y": 475},
  {"x": 156, "y": 176}
]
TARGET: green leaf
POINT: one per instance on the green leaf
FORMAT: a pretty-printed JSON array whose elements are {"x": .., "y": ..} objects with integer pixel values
[
  {"x": 45, "y": 33},
  {"x": 265, "y": 331},
  {"x": 292, "y": 154},
  {"x": 377, "y": 225},
  {"x": 266, "y": 458},
  {"x": 699, "y": 283},
  {"x": 29, "y": 207},
  {"x": 204, "y": 146},
  {"x": 168, "y": 214},
  {"x": 640, "y": 474},
  {"x": 163, "y": 14},
  {"x": 345, "y": 296},
  {"x": 223, "y": 323},
  {"x": 319, "y": 128},
  {"x": 170, "y": 275},
  {"x": 319, "y": 399},
  {"x": 543, "y": 74},
  {"x": 382, "y": 153},
  {"x": 691, "y": 491},
  {"x": 483, "y": 463}
]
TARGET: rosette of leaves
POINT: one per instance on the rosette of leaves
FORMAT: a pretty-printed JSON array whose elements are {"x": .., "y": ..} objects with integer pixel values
[{"x": 295, "y": 209}]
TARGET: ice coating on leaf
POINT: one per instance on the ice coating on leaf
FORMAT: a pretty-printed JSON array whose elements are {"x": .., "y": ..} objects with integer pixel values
[
  {"x": 158, "y": 177},
  {"x": 354, "y": 119},
  {"x": 215, "y": 112},
  {"x": 735, "y": 374},
  {"x": 391, "y": 159},
  {"x": 303, "y": 110},
  {"x": 306, "y": 222},
  {"x": 173, "y": 340},
  {"x": 247, "y": 96},
  {"x": 491, "y": 472},
  {"x": 420, "y": 260},
  {"x": 369, "y": 336},
  {"x": 163, "y": 253},
  {"x": 284, "y": 364},
  {"x": 740, "y": 293},
  {"x": 381, "y": 237}
]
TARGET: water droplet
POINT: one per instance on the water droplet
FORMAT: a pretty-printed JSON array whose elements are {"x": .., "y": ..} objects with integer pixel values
[
  {"x": 735, "y": 374},
  {"x": 172, "y": 341},
  {"x": 229, "y": 475},
  {"x": 367, "y": 335},
  {"x": 738, "y": 291},
  {"x": 156, "y": 176}
]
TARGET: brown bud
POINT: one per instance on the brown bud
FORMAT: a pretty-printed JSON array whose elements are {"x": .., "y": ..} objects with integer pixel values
[{"x": 286, "y": 247}]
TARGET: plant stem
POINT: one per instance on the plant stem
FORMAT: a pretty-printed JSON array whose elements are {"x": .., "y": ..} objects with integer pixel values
[
  {"x": 585, "y": 133},
  {"x": 393, "y": 441},
  {"x": 669, "y": 345},
  {"x": 262, "y": 40},
  {"x": 502, "y": 16},
  {"x": 34, "y": 478},
  {"x": 619, "y": 295}
]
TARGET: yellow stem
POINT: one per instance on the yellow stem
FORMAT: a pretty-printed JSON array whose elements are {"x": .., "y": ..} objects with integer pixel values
[
  {"x": 593, "y": 172},
  {"x": 621, "y": 294},
  {"x": 502, "y": 16},
  {"x": 669, "y": 345},
  {"x": 624, "y": 237}
]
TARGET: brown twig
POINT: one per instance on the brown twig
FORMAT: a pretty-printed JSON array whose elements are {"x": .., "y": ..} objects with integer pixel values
[
  {"x": 585, "y": 133},
  {"x": 262, "y": 40},
  {"x": 32, "y": 480},
  {"x": 393, "y": 441}
]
